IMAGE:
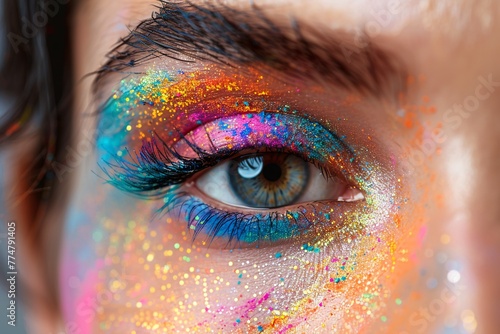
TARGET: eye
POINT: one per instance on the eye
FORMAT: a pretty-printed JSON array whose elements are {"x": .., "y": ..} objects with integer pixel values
[
  {"x": 272, "y": 180},
  {"x": 289, "y": 185}
]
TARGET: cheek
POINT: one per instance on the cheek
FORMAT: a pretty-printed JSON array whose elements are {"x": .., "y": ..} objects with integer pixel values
[{"x": 127, "y": 267}]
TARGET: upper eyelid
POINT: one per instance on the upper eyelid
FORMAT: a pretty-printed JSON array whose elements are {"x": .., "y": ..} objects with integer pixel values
[
  {"x": 249, "y": 37},
  {"x": 138, "y": 175}
]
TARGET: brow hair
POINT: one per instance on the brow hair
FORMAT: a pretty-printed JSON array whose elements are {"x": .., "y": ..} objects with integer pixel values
[{"x": 221, "y": 34}]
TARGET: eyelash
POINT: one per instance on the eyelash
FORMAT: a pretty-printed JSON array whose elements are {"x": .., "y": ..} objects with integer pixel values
[
  {"x": 157, "y": 167},
  {"x": 159, "y": 170},
  {"x": 238, "y": 229}
]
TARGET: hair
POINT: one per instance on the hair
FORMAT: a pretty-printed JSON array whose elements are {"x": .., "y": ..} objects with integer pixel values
[{"x": 36, "y": 81}]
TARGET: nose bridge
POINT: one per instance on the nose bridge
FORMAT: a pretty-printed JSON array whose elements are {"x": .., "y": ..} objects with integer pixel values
[
  {"x": 483, "y": 225},
  {"x": 472, "y": 196}
]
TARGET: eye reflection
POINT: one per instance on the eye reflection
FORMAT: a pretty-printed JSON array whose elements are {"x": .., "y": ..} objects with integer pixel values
[{"x": 269, "y": 180}]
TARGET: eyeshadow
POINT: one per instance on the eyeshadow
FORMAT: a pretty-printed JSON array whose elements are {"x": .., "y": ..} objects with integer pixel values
[{"x": 171, "y": 104}]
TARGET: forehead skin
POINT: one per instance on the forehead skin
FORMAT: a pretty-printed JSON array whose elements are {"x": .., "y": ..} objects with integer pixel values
[{"x": 447, "y": 46}]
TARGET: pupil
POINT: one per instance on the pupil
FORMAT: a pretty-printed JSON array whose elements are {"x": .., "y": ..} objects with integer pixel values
[{"x": 272, "y": 172}]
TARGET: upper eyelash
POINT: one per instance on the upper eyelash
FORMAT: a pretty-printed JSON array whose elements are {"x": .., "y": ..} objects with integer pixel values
[{"x": 158, "y": 166}]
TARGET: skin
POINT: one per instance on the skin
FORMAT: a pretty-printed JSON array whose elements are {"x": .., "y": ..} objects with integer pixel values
[{"x": 448, "y": 227}]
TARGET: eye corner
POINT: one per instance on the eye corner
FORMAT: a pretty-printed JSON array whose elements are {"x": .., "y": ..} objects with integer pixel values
[{"x": 352, "y": 194}]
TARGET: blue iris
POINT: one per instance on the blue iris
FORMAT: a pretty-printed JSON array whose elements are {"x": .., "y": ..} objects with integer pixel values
[{"x": 268, "y": 180}]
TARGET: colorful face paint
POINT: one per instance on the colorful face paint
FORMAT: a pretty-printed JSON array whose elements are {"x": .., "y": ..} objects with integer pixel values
[
  {"x": 196, "y": 264},
  {"x": 170, "y": 107},
  {"x": 160, "y": 165}
]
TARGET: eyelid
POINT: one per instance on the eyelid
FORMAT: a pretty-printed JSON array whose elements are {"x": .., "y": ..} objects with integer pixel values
[
  {"x": 225, "y": 226},
  {"x": 278, "y": 132},
  {"x": 158, "y": 165}
]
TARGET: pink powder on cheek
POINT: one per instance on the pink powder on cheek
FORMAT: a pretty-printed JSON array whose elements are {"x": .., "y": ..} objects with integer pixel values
[{"x": 81, "y": 300}]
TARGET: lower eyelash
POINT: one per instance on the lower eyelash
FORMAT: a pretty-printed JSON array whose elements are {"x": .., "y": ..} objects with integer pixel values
[{"x": 236, "y": 228}]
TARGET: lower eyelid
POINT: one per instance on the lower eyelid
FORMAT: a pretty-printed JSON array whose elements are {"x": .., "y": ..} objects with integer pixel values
[
  {"x": 305, "y": 222},
  {"x": 327, "y": 205}
]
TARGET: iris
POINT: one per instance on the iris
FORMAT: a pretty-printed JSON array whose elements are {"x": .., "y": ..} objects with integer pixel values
[{"x": 268, "y": 180}]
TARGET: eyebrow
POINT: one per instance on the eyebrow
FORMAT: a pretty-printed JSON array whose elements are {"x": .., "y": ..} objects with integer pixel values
[{"x": 225, "y": 35}]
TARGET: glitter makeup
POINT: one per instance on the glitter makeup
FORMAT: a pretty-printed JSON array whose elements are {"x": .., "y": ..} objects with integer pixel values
[
  {"x": 160, "y": 165},
  {"x": 193, "y": 262}
]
